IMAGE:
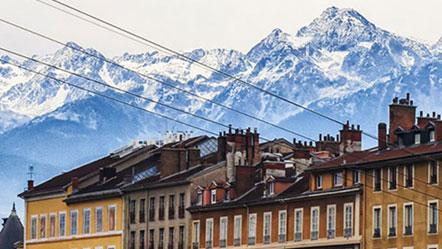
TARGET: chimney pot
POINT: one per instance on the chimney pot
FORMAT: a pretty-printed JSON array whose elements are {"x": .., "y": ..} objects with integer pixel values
[
  {"x": 408, "y": 96},
  {"x": 411, "y": 102},
  {"x": 434, "y": 114},
  {"x": 320, "y": 137},
  {"x": 294, "y": 140},
  {"x": 30, "y": 184},
  {"x": 352, "y": 126},
  {"x": 428, "y": 115},
  {"x": 236, "y": 131},
  {"x": 395, "y": 100},
  {"x": 421, "y": 113},
  {"x": 438, "y": 116},
  {"x": 337, "y": 138},
  {"x": 311, "y": 143},
  {"x": 255, "y": 130},
  {"x": 305, "y": 143},
  {"x": 358, "y": 127},
  {"x": 230, "y": 128}
]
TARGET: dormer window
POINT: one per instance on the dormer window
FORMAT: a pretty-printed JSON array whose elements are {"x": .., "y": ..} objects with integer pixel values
[
  {"x": 318, "y": 181},
  {"x": 199, "y": 198},
  {"x": 337, "y": 179},
  {"x": 272, "y": 188},
  {"x": 417, "y": 138},
  {"x": 213, "y": 196},
  {"x": 227, "y": 194},
  {"x": 432, "y": 136}
]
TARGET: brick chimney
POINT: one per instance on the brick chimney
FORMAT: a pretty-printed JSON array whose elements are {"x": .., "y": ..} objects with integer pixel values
[
  {"x": 403, "y": 114},
  {"x": 30, "y": 185},
  {"x": 75, "y": 184},
  {"x": 382, "y": 136},
  {"x": 351, "y": 138}
]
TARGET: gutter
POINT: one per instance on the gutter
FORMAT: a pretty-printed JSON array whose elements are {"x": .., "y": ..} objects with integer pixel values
[{"x": 75, "y": 198}]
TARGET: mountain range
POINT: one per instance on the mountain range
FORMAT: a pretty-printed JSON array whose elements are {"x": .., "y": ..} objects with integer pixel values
[{"x": 340, "y": 64}]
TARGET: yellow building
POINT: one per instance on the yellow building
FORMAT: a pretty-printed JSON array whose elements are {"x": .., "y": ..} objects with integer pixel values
[{"x": 82, "y": 208}]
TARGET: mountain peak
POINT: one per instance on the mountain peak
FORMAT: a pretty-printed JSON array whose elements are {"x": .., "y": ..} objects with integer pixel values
[{"x": 276, "y": 38}]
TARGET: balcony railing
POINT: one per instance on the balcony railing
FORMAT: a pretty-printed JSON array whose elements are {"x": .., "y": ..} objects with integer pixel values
[
  {"x": 195, "y": 245},
  {"x": 281, "y": 238},
  {"x": 209, "y": 244},
  {"x": 181, "y": 212},
  {"x": 151, "y": 214},
  {"x": 171, "y": 213},
  {"x": 236, "y": 241},
  {"x": 408, "y": 230},
  {"x": 433, "y": 228},
  {"x": 314, "y": 235},
  {"x": 161, "y": 214},
  {"x": 298, "y": 236},
  {"x": 392, "y": 232},
  {"x": 251, "y": 241},
  {"x": 222, "y": 243},
  {"x": 331, "y": 234},
  {"x": 433, "y": 179},
  {"x": 266, "y": 239},
  {"x": 348, "y": 232},
  {"x": 377, "y": 233}
]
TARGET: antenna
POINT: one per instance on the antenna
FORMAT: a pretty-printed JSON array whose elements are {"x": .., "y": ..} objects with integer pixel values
[{"x": 31, "y": 172}]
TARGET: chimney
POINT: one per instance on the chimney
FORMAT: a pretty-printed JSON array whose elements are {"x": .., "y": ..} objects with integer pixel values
[
  {"x": 382, "y": 136},
  {"x": 351, "y": 139},
  {"x": 401, "y": 114},
  {"x": 75, "y": 184},
  {"x": 30, "y": 185}
]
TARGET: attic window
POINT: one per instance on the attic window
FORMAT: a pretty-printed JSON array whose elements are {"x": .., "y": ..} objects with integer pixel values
[
  {"x": 199, "y": 198},
  {"x": 272, "y": 188},
  {"x": 432, "y": 136},
  {"x": 417, "y": 138},
  {"x": 227, "y": 194},
  {"x": 213, "y": 196}
]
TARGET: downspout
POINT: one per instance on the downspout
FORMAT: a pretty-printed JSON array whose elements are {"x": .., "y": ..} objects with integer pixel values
[{"x": 247, "y": 224}]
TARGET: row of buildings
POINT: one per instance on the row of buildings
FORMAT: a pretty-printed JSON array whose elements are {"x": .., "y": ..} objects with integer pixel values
[{"x": 232, "y": 191}]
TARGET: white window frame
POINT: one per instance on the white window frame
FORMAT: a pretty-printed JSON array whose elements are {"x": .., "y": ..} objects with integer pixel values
[
  {"x": 374, "y": 221},
  {"x": 318, "y": 218},
  {"x": 76, "y": 222},
  {"x": 34, "y": 217},
  {"x": 65, "y": 223},
  {"x": 212, "y": 195},
  {"x": 429, "y": 215},
  {"x": 252, "y": 232},
  {"x": 389, "y": 178},
  {"x": 335, "y": 179},
  {"x": 49, "y": 225},
  {"x": 196, "y": 238},
  {"x": 270, "y": 225},
  {"x": 389, "y": 220},
  {"x": 108, "y": 217},
  {"x": 199, "y": 198},
  {"x": 207, "y": 230},
  {"x": 300, "y": 210},
  {"x": 334, "y": 217},
  {"x": 284, "y": 225},
  {"x": 221, "y": 237},
  {"x": 111, "y": 247},
  {"x": 412, "y": 218},
  {"x": 358, "y": 173},
  {"x": 374, "y": 180},
  {"x": 412, "y": 177},
  {"x": 349, "y": 204},
  {"x": 235, "y": 232},
  {"x": 84, "y": 220},
  {"x": 434, "y": 246},
  {"x": 96, "y": 219},
  {"x": 432, "y": 136},
  {"x": 318, "y": 181},
  {"x": 437, "y": 172},
  {"x": 271, "y": 188},
  {"x": 417, "y": 138}
]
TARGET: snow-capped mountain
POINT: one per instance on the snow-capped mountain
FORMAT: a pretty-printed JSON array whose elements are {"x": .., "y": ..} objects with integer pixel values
[{"x": 341, "y": 64}]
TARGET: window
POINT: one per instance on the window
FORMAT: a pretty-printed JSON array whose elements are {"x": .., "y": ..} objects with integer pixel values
[
  {"x": 392, "y": 220},
  {"x": 181, "y": 238},
  {"x": 417, "y": 138},
  {"x": 142, "y": 241},
  {"x": 267, "y": 227},
  {"x": 357, "y": 176},
  {"x": 314, "y": 223},
  {"x": 271, "y": 188},
  {"x": 86, "y": 221},
  {"x": 142, "y": 211},
  {"x": 213, "y": 196},
  {"x": 432, "y": 172},
  {"x": 98, "y": 219},
  {"x": 409, "y": 174},
  {"x": 252, "y": 229},
  {"x": 433, "y": 246},
  {"x": 392, "y": 176},
  {"x": 62, "y": 224},
  {"x": 377, "y": 219},
  {"x": 227, "y": 194},
  {"x": 181, "y": 208},
  {"x": 171, "y": 238},
  {"x": 132, "y": 212},
  {"x": 223, "y": 232},
  {"x": 196, "y": 235},
  {"x": 237, "y": 230},
  {"x": 377, "y": 179},
  {"x": 348, "y": 220},
  {"x": 209, "y": 233},
  {"x": 161, "y": 239},
  {"x": 298, "y": 224},
  {"x": 33, "y": 227},
  {"x": 331, "y": 221},
  {"x": 74, "y": 221},
  {"x": 432, "y": 136},
  {"x": 132, "y": 240},
  {"x": 282, "y": 226},
  {"x": 152, "y": 209},
  {"x": 52, "y": 221},
  {"x": 151, "y": 239},
  {"x": 171, "y": 207},
  {"x": 432, "y": 216},
  {"x": 199, "y": 198},
  {"x": 112, "y": 210},
  {"x": 337, "y": 179},
  {"x": 42, "y": 226},
  {"x": 318, "y": 181},
  {"x": 162, "y": 207},
  {"x": 408, "y": 218}
]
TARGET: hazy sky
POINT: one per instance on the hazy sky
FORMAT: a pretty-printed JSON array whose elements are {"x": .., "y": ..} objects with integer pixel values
[{"x": 190, "y": 24}]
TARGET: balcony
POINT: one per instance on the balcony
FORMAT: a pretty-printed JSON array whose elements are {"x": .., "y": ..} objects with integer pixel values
[
  {"x": 195, "y": 245},
  {"x": 251, "y": 241},
  {"x": 433, "y": 179},
  {"x": 377, "y": 233},
  {"x": 152, "y": 215},
  {"x": 222, "y": 243},
  {"x": 392, "y": 232},
  {"x": 433, "y": 228},
  {"x": 237, "y": 242},
  {"x": 298, "y": 236},
  {"x": 314, "y": 235},
  {"x": 348, "y": 232},
  {"x": 281, "y": 238},
  {"x": 171, "y": 213},
  {"x": 209, "y": 244},
  {"x": 331, "y": 234},
  {"x": 181, "y": 212},
  {"x": 266, "y": 239},
  {"x": 408, "y": 230}
]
